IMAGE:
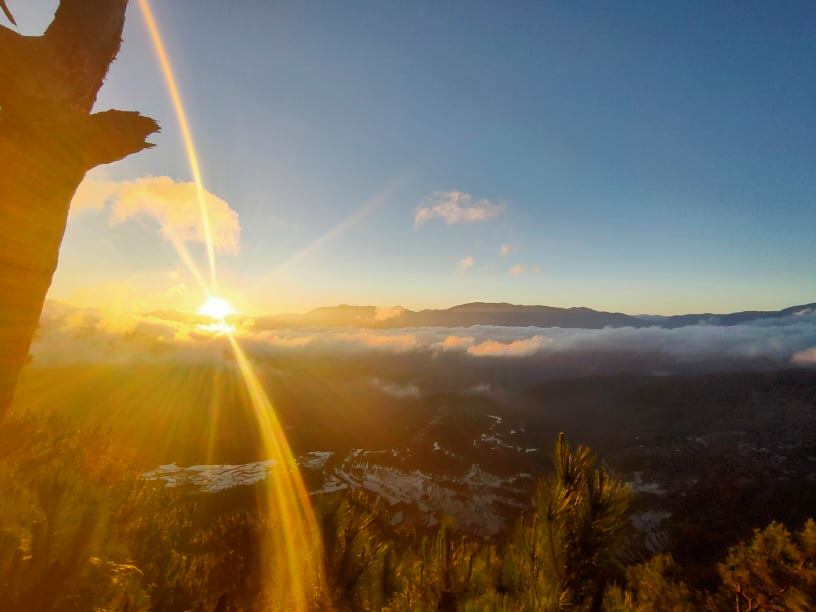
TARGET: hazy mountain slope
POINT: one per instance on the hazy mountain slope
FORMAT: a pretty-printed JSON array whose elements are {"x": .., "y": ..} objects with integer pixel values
[
  {"x": 506, "y": 315},
  {"x": 734, "y": 318}
]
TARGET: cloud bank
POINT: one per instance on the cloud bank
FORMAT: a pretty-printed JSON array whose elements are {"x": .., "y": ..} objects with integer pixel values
[
  {"x": 70, "y": 336},
  {"x": 517, "y": 348},
  {"x": 172, "y": 204}
]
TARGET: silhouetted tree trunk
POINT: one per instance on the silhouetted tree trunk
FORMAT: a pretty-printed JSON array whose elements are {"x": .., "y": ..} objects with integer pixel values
[{"x": 48, "y": 141}]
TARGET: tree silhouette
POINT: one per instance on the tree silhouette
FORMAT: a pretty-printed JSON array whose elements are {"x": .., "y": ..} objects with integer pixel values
[
  {"x": 49, "y": 140},
  {"x": 7, "y": 12}
]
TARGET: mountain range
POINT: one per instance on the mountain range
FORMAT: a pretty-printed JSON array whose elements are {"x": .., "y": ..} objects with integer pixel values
[{"x": 500, "y": 314}]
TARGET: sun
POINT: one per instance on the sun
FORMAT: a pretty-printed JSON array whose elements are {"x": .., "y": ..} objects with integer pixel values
[{"x": 216, "y": 308}]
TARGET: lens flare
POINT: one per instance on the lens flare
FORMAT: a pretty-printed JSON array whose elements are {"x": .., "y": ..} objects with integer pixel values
[
  {"x": 292, "y": 555},
  {"x": 186, "y": 134},
  {"x": 291, "y": 552}
]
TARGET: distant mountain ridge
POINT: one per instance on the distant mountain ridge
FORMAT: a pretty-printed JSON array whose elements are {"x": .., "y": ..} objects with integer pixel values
[
  {"x": 736, "y": 318},
  {"x": 508, "y": 315}
]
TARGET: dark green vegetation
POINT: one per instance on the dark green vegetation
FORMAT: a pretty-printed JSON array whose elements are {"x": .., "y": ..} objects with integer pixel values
[
  {"x": 80, "y": 530},
  {"x": 730, "y": 452}
]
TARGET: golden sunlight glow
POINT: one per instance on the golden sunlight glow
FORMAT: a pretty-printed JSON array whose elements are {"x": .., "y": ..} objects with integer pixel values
[{"x": 216, "y": 308}]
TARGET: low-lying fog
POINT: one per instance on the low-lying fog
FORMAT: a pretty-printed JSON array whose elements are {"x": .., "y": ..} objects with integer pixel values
[{"x": 405, "y": 362}]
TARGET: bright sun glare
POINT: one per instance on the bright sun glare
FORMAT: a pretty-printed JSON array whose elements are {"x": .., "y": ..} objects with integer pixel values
[{"x": 217, "y": 308}]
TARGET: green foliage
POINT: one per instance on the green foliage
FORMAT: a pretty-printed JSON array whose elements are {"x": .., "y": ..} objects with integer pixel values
[
  {"x": 775, "y": 571},
  {"x": 58, "y": 548},
  {"x": 360, "y": 566},
  {"x": 450, "y": 572},
  {"x": 564, "y": 553},
  {"x": 79, "y": 530},
  {"x": 654, "y": 585}
]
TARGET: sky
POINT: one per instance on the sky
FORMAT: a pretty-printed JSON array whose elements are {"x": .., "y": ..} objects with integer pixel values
[{"x": 643, "y": 157}]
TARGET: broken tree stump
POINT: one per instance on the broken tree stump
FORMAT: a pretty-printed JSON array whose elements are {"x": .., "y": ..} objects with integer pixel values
[{"x": 49, "y": 140}]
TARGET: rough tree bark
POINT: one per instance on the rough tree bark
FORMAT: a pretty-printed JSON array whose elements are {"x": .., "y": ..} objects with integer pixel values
[{"x": 49, "y": 139}]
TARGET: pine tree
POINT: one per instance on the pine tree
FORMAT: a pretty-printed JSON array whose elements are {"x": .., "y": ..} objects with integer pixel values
[
  {"x": 654, "y": 585},
  {"x": 563, "y": 553},
  {"x": 775, "y": 571},
  {"x": 357, "y": 565}
]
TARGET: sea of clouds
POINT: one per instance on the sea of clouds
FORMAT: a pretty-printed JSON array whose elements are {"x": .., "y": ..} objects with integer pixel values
[{"x": 71, "y": 335}]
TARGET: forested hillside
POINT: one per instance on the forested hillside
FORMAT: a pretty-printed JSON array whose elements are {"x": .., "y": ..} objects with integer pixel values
[{"x": 82, "y": 530}]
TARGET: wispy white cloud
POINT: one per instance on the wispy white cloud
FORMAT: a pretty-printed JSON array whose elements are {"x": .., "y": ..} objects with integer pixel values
[
  {"x": 465, "y": 264},
  {"x": 397, "y": 390},
  {"x": 386, "y": 314},
  {"x": 455, "y": 207},
  {"x": 517, "y": 270},
  {"x": 505, "y": 250}
]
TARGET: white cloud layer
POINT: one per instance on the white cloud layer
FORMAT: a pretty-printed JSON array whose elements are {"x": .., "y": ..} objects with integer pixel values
[
  {"x": 71, "y": 335},
  {"x": 454, "y": 207}
]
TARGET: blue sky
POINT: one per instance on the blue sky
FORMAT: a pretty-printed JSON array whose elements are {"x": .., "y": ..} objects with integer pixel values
[{"x": 641, "y": 156}]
